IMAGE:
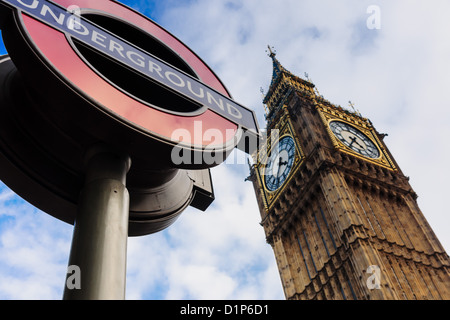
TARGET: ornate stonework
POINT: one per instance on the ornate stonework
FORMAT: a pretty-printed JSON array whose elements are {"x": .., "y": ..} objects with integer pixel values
[{"x": 344, "y": 223}]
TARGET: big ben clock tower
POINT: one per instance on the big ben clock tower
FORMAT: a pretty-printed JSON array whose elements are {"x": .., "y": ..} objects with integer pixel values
[{"x": 337, "y": 210}]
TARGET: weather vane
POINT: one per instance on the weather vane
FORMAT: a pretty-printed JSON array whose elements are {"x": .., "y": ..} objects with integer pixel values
[{"x": 272, "y": 52}]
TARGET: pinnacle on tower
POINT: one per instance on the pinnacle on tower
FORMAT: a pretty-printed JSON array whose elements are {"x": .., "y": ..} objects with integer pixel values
[{"x": 283, "y": 81}]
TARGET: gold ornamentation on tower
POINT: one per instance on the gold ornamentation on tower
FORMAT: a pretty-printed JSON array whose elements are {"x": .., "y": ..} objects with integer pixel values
[{"x": 337, "y": 210}]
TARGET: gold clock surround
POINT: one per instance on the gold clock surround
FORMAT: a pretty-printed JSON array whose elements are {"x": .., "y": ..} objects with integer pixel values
[
  {"x": 285, "y": 130},
  {"x": 329, "y": 115}
]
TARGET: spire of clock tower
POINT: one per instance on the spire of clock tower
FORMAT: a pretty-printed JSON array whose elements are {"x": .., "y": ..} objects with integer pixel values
[
  {"x": 283, "y": 84},
  {"x": 341, "y": 217},
  {"x": 277, "y": 67}
]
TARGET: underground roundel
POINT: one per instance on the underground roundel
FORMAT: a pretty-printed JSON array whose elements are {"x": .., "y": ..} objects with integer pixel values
[{"x": 131, "y": 69}]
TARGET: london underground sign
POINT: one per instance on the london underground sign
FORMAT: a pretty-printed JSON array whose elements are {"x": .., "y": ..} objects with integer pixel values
[
  {"x": 84, "y": 71},
  {"x": 52, "y": 30},
  {"x": 135, "y": 58}
]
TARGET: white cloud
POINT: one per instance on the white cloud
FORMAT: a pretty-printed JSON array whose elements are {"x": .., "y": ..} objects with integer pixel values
[
  {"x": 219, "y": 254},
  {"x": 34, "y": 251},
  {"x": 4, "y": 196},
  {"x": 202, "y": 282}
]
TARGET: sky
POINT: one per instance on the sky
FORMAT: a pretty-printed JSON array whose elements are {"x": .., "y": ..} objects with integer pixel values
[{"x": 390, "y": 58}]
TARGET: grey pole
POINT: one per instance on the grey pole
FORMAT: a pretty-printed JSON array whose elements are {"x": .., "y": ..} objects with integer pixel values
[{"x": 99, "y": 244}]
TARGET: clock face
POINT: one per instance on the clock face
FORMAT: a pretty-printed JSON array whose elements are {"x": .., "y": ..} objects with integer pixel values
[
  {"x": 280, "y": 163},
  {"x": 354, "y": 139}
]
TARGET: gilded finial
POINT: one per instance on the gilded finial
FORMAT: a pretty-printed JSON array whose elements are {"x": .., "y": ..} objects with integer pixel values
[
  {"x": 272, "y": 52},
  {"x": 352, "y": 105}
]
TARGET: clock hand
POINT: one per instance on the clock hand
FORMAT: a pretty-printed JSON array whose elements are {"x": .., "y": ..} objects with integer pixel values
[
  {"x": 279, "y": 166},
  {"x": 353, "y": 141},
  {"x": 362, "y": 147},
  {"x": 281, "y": 162}
]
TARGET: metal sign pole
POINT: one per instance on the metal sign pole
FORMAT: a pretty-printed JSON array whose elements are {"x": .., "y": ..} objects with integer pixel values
[{"x": 99, "y": 244}]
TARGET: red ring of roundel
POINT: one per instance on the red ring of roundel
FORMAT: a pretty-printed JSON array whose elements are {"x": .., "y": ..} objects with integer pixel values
[{"x": 54, "y": 46}]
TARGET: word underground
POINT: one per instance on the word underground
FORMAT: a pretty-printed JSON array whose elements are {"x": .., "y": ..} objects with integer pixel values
[{"x": 148, "y": 66}]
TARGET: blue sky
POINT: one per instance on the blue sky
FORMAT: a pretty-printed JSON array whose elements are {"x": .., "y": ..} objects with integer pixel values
[
  {"x": 2, "y": 47},
  {"x": 397, "y": 76}
]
